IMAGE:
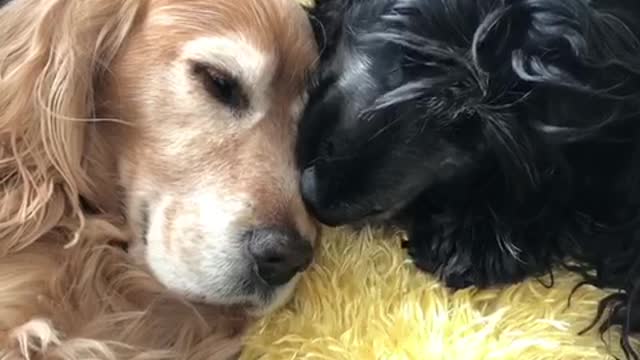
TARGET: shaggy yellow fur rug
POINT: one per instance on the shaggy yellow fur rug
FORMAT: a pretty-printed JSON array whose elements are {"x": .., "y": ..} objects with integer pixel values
[{"x": 363, "y": 299}]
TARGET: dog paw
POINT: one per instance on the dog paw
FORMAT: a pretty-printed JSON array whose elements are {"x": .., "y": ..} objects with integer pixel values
[
  {"x": 32, "y": 339},
  {"x": 448, "y": 269},
  {"x": 464, "y": 255},
  {"x": 419, "y": 249},
  {"x": 432, "y": 250},
  {"x": 458, "y": 280}
]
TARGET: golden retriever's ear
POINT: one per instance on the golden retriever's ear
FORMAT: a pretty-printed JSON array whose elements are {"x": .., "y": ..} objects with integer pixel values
[{"x": 51, "y": 54}]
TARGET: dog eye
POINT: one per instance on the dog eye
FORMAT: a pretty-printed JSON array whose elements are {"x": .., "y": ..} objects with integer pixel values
[
  {"x": 328, "y": 148},
  {"x": 222, "y": 86}
]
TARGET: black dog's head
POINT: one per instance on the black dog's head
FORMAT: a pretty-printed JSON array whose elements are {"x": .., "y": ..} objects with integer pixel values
[
  {"x": 412, "y": 94},
  {"x": 372, "y": 139}
]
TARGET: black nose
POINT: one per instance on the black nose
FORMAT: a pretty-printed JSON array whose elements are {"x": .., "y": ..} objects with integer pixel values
[
  {"x": 279, "y": 254},
  {"x": 315, "y": 196},
  {"x": 310, "y": 191}
]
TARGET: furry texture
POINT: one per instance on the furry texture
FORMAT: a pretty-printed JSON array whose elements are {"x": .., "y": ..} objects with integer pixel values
[
  {"x": 90, "y": 302},
  {"x": 364, "y": 299},
  {"x": 90, "y": 94},
  {"x": 505, "y": 130}
]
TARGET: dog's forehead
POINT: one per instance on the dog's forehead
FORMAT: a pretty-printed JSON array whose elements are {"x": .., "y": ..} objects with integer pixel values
[{"x": 277, "y": 29}]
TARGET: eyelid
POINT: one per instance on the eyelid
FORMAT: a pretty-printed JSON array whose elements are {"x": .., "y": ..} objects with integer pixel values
[
  {"x": 211, "y": 71},
  {"x": 220, "y": 64}
]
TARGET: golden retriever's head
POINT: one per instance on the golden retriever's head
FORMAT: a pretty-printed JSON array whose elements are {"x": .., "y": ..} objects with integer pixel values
[{"x": 200, "y": 162}]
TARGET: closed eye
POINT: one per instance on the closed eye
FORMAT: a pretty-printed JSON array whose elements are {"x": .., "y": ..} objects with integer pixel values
[
  {"x": 222, "y": 86},
  {"x": 327, "y": 149}
]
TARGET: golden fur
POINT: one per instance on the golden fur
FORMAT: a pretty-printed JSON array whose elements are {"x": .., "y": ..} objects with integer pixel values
[{"x": 97, "y": 117}]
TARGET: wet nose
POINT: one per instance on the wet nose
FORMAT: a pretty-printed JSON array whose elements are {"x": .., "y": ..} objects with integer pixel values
[
  {"x": 314, "y": 195},
  {"x": 278, "y": 254},
  {"x": 309, "y": 187}
]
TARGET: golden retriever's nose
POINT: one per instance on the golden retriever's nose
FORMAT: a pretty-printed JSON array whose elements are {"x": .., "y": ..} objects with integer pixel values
[{"x": 278, "y": 254}]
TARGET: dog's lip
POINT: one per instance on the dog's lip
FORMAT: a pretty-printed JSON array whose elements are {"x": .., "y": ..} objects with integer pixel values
[
  {"x": 330, "y": 218},
  {"x": 382, "y": 214},
  {"x": 377, "y": 211},
  {"x": 255, "y": 286},
  {"x": 345, "y": 215},
  {"x": 255, "y": 276}
]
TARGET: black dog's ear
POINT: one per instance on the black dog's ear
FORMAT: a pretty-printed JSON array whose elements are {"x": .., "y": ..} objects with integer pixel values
[
  {"x": 554, "y": 42},
  {"x": 571, "y": 45},
  {"x": 326, "y": 18},
  {"x": 539, "y": 40}
]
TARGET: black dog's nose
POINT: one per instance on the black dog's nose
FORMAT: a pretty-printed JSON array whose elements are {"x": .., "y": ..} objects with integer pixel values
[
  {"x": 279, "y": 254},
  {"x": 310, "y": 191},
  {"x": 314, "y": 194}
]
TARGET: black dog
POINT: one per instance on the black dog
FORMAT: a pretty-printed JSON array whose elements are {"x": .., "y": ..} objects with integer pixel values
[{"x": 506, "y": 131}]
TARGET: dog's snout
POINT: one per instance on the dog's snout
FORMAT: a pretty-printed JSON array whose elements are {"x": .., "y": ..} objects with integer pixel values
[
  {"x": 278, "y": 254},
  {"x": 314, "y": 194}
]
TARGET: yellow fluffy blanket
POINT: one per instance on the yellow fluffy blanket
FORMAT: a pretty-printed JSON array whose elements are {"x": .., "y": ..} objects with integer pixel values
[{"x": 363, "y": 299}]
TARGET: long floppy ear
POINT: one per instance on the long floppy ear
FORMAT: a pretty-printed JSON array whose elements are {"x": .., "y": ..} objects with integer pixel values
[
  {"x": 572, "y": 45},
  {"x": 52, "y": 54},
  {"x": 550, "y": 41}
]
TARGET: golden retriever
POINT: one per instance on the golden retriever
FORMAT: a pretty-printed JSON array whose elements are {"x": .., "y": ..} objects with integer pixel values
[{"x": 166, "y": 127}]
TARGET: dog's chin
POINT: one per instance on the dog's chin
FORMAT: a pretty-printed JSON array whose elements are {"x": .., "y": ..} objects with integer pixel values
[
  {"x": 266, "y": 302},
  {"x": 258, "y": 302},
  {"x": 255, "y": 297},
  {"x": 358, "y": 216}
]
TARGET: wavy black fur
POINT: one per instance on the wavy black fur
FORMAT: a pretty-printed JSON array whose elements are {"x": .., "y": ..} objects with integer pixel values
[{"x": 506, "y": 131}]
